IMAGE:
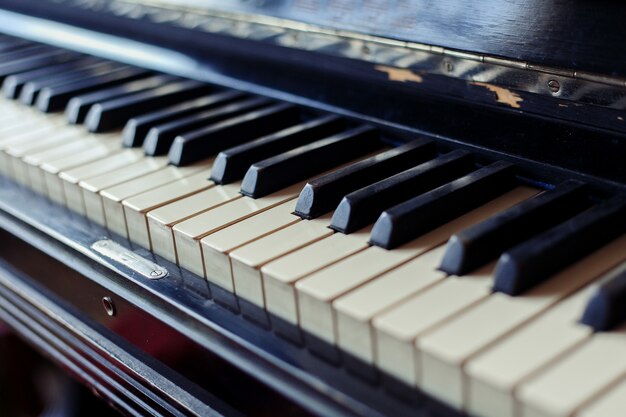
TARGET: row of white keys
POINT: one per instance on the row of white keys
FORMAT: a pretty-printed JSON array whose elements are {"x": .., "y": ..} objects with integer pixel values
[
  {"x": 162, "y": 220},
  {"x": 494, "y": 375},
  {"x": 63, "y": 141},
  {"x": 317, "y": 291},
  {"x": 444, "y": 351},
  {"x": 25, "y": 130},
  {"x": 248, "y": 259},
  {"x": 355, "y": 310},
  {"x": 583, "y": 375},
  {"x": 136, "y": 207},
  {"x": 81, "y": 152},
  {"x": 217, "y": 246},
  {"x": 280, "y": 276},
  {"x": 92, "y": 187},
  {"x": 70, "y": 178},
  {"x": 189, "y": 233},
  {"x": 112, "y": 198}
]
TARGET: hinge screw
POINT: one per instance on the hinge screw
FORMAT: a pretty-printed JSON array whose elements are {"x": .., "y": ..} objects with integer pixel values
[{"x": 554, "y": 86}]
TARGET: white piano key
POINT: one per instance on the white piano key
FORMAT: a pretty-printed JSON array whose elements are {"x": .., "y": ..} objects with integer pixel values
[
  {"x": 71, "y": 177},
  {"x": 445, "y": 350},
  {"x": 217, "y": 246},
  {"x": 162, "y": 219},
  {"x": 69, "y": 149},
  {"x": 356, "y": 309},
  {"x": 587, "y": 372},
  {"x": 28, "y": 137},
  {"x": 280, "y": 275},
  {"x": 51, "y": 168},
  {"x": 248, "y": 259},
  {"x": 55, "y": 138},
  {"x": 91, "y": 187},
  {"x": 396, "y": 329},
  {"x": 316, "y": 292},
  {"x": 112, "y": 197},
  {"x": 608, "y": 404},
  {"x": 136, "y": 207},
  {"x": 494, "y": 374},
  {"x": 188, "y": 233}
]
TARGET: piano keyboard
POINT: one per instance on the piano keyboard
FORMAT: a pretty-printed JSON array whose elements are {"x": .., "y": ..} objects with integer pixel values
[{"x": 492, "y": 295}]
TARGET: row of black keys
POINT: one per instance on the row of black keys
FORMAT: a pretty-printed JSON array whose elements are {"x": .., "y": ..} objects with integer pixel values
[{"x": 405, "y": 192}]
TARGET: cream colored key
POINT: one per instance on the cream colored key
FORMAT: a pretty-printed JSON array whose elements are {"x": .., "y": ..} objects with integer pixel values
[
  {"x": 21, "y": 127},
  {"x": 71, "y": 177},
  {"x": 355, "y": 310},
  {"x": 280, "y": 275},
  {"x": 587, "y": 372},
  {"x": 29, "y": 136},
  {"x": 608, "y": 404},
  {"x": 395, "y": 329},
  {"x": 444, "y": 350},
  {"x": 26, "y": 135},
  {"x": 248, "y": 259},
  {"x": 217, "y": 246},
  {"x": 136, "y": 207},
  {"x": 112, "y": 197},
  {"x": 83, "y": 150},
  {"x": 51, "y": 169},
  {"x": 493, "y": 375},
  {"x": 187, "y": 234},
  {"x": 316, "y": 292},
  {"x": 56, "y": 138},
  {"x": 91, "y": 187},
  {"x": 162, "y": 219},
  {"x": 35, "y": 160}
]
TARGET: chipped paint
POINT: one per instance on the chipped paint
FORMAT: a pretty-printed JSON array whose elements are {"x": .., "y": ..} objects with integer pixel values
[
  {"x": 620, "y": 118},
  {"x": 563, "y": 105},
  {"x": 399, "y": 74},
  {"x": 503, "y": 95}
]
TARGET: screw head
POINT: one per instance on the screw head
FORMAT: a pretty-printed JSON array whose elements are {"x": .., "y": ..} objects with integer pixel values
[
  {"x": 554, "y": 86},
  {"x": 448, "y": 65},
  {"x": 109, "y": 306}
]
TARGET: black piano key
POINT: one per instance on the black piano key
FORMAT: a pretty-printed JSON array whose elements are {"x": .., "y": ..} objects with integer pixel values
[
  {"x": 362, "y": 207},
  {"x": 606, "y": 308},
  {"x": 12, "y": 85},
  {"x": 321, "y": 195},
  {"x": 35, "y": 61},
  {"x": 161, "y": 137},
  {"x": 138, "y": 127},
  {"x": 421, "y": 214},
  {"x": 31, "y": 89},
  {"x": 199, "y": 144},
  {"x": 476, "y": 246},
  {"x": 115, "y": 113},
  {"x": 280, "y": 171},
  {"x": 78, "y": 106},
  {"x": 231, "y": 165},
  {"x": 536, "y": 260},
  {"x": 54, "y": 99}
]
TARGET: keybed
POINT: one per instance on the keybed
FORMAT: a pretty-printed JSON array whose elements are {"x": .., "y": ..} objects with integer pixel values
[{"x": 451, "y": 277}]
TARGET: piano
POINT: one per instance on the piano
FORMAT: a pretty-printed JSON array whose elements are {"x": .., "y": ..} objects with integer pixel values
[{"x": 377, "y": 208}]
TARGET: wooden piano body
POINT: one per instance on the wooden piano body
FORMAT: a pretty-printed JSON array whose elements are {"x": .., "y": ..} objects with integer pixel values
[{"x": 539, "y": 85}]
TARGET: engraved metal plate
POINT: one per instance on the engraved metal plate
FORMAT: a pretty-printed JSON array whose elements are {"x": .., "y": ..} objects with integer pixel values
[{"x": 128, "y": 259}]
